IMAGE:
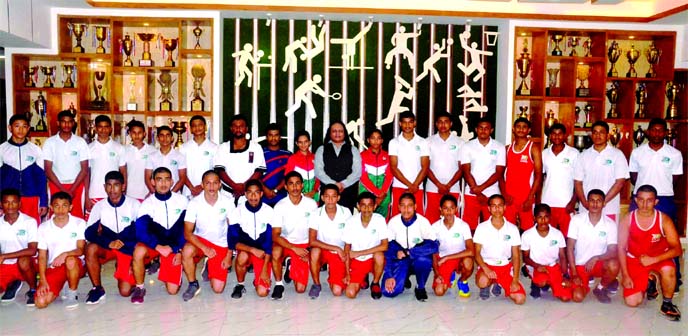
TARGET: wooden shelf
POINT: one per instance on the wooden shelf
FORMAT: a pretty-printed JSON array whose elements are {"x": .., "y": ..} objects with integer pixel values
[
  {"x": 139, "y": 69},
  {"x": 48, "y": 90}
]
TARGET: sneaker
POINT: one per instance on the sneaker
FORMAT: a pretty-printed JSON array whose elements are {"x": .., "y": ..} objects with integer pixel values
[
  {"x": 11, "y": 291},
  {"x": 191, "y": 291},
  {"x": 95, "y": 295},
  {"x": 453, "y": 279},
  {"x": 591, "y": 282},
  {"x": 670, "y": 311},
  {"x": 366, "y": 282},
  {"x": 613, "y": 287},
  {"x": 154, "y": 266},
  {"x": 323, "y": 268},
  {"x": 238, "y": 291},
  {"x": 31, "y": 298},
  {"x": 204, "y": 271},
  {"x": 602, "y": 295},
  {"x": 496, "y": 290},
  {"x": 485, "y": 293},
  {"x": 651, "y": 291},
  {"x": 250, "y": 268},
  {"x": 421, "y": 294},
  {"x": 72, "y": 300},
  {"x": 278, "y": 292},
  {"x": 524, "y": 271},
  {"x": 545, "y": 288},
  {"x": 287, "y": 269},
  {"x": 534, "y": 291},
  {"x": 314, "y": 292},
  {"x": 137, "y": 295},
  {"x": 375, "y": 291},
  {"x": 464, "y": 289},
  {"x": 407, "y": 282}
]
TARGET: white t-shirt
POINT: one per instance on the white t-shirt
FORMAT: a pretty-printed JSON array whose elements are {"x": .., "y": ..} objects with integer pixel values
[
  {"x": 496, "y": 244},
  {"x": 330, "y": 231},
  {"x": 408, "y": 155},
  {"x": 58, "y": 240},
  {"x": 363, "y": 238},
  {"x": 444, "y": 160},
  {"x": 452, "y": 240},
  {"x": 199, "y": 159},
  {"x": 115, "y": 219},
  {"x": 104, "y": 157},
  {"x": 591, "y": 240},
  {"x": 293, "y": 219},
  {"x": 16, "y": 237},
  {"x": 136, "y": 168},
  {"x": 239, "y": 165},
  {"x": 211, "y": 220},
  {"x": 600, "y": 170},
  {"x": 484, "y": 161},
  {"x": 557, "y": 189},
  {"x": 543, "y": 250},
  {"x": 656, "y": 168},
  {"x": 410, "y": 236},
  {"x": 174, "y": 161},
  {"x": 66, "y": 156}
]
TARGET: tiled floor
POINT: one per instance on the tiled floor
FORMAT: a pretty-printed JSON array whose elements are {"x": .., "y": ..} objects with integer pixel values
[{"x": 210, "y": 314}]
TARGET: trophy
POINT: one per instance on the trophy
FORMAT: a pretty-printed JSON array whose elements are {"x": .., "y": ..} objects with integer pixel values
[
  {"x": 587, "y": 45},
  {"x": 613, "y": 54},
  {"x": 524, "y": 112},
  {"x": 30, "y": 76},
  {"x": 101, "y": 34},
  {"x": 632, "y": 55},
  {"x": 582, "y": 74},
  {"x": 641, "y": 100},
  {"x": 639, "y": 136},
  {"x": 78, "y": 29},
  {"x": 99, "y": 101},
  {"x": 49, "y": 73},
  {"x": 614, "y": 136},
  {"x": 41, "y": 107},
  {"x": 552, "y": 89},
  {"x": 588, "y": 110},
  {"x": 613, "y": 96},
  {"x": 131, "y": 104},
  {"x": 197, "y": 33},
  {"x": 578, "y": 122},
  {"x": 573, "y": 43},
  {"x": 671, "y": 137},
  {"x": 72, "y": 109},
  {"x": 556, "y": 39},
  {"x": 652, "y": 54},
  {"x": 90, "y": 133},
  {"x": 165, "y": 80},
  {"x": 672, "y": 91},
  {"x": 549, "y": 121},
  {"x": 580, "y": 141},
  {"x": 127, "y": 46},
  {"x": 198, "y": 73},
  {"x": 179, "y": 127},
  {"x": 146, "y": 38},
  {"x": 68, "y": 70},
  {"x": 523, "y": 64},
  {"x": 170, "y": 45}
]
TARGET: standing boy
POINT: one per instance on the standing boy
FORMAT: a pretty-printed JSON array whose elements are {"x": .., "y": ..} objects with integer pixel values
[
  {"x": 275, "y": 166},
  {"x": 199, "y": 154},
  {"x": 169, "y": 158},
  {"x": 445, "y": 165},
  {"x": 136, "y": 155},
  {"x": 558, "y": 161},
  {"x": 105, "y": 155}
]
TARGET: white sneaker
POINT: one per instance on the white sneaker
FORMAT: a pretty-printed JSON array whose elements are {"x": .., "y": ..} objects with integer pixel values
[{"x": 72, "y": 300}]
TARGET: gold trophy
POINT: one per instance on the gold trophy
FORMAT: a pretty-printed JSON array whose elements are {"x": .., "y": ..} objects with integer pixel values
[
  {"x": 552, "y": 89},
  {"x": 49, "y": 73},
  {"x": 556, "y": 39},
  {"x": 131, "y": 104},
  {"x": 127, "y": 47},
  {"x": 179, "y": 127},
  {"x": 165, "y": 80},
  {"x": 613, "y": 96},
  {"x": 613, "y": 54},
  {"x": 198, "y": 73},
  {"x": 587, "y": 45},
  {"x": 672, "y": 91},
  {"x": 101, "y": 35},
  {"x": 523, "y": 64},
  {"x": 99, "y": 101},
  {"x": 170, "y": 45},
  {"x": 582, "y": 74},
  {"x": 68, "y": 70},
  {"x": 524, "y": 112},
  {"x": 639, "y": 136},
  {"x": 652, "y": 54},
  {"x": 146, "y": 38},
  {"x": 671, "y": 137},
  {"x": 614, "y": 136},
  {"x": 632, "y": 55},
  {"x": 41, "y": 107},
  {"x": 577, "y": 122},
  {"x": 549, "y": 121},
  {"x": 573, "y": 43},
  {"x": 30, "y": 76},
  {"x": 588, "y": 111},
  {"x": 640, "y": 100},
  {"x": 197, "y": 33},
  {"x": 78, "y": 29}
]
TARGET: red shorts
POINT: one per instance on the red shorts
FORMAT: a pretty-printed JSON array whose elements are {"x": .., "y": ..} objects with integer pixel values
[
  {"x": 560, "y": 219},
  {"x": 336, "y": 268},
  {"x": 525, "y": 218},
  {"x": 358, "y": 270},
  {"x": 432, "y": 212},
  {"x": 30, "y": 207},
  {"x": 9, "y": 273},
  {"x": 123, "y": 271},
  {"x": 554, "y": 277},
  {"x": 298, "y": 271},
  {"x": 258, "y": 264},
  {"x": 597, "y": 271},
  {"x": 168, "y": 273},
  {"x": 446, "y": 270},
  {"x": 215, "y": 270},
  {"x": 504, "y": 278},
  {"x": 77, "y": 203},
  {"x": 472, "y": 209},
  {"x": 639, "y": 274},
  {"x": 397, "y": 192},
  {"x": 57, "y": 276}
]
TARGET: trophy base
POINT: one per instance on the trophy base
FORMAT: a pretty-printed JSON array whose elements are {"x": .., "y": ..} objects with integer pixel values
[
  {"x": 128, "y": 62},
  {"x": 131, "y": 106},
  {"x": 79, "y": 49},
  {"x": 639, "y": 115},
  {"x": 613, "y": 115},
  {"x": 197, "y": 105},
  {"x": 553, "y": 91},
  {"x": 612, "y": 74},
  {"x": 523, "y": 92},
  {"x": 169, "y": 63},
  {"x": 68, "y": 85},
  {"x": 165, "y": 105},
  {"x": 582, "y": 92},
  {"x": 30, "y": 85},
  {"x": 650, "y": 75},
  {"x": 145, "y": 63},
  {"x": 631, "y": 74},
  {"x": 41, "y": 126},
  {"x": 100, "y": 50},
  {"x": 556, "y": 52}
]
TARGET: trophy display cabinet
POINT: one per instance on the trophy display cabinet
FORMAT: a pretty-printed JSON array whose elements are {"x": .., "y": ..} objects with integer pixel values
[
  {"x": 155, "y": 70},
  {"x": 577, "y": 77}
]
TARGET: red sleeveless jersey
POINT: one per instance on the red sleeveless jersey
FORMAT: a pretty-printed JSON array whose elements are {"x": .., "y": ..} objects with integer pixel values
[
  {"x": 650, "y": 242},
  {"x": 519, "y": 170}
]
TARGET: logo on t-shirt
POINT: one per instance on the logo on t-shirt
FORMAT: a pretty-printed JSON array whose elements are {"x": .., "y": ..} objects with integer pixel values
[
  {"x": 457, "y": 235},
  {"x": 608, "y": 162},
  {"x": 73, "y": 235},
  {"x": 417, "y": 240},
  {"x": 373, "y": 231},
  {"x": 126, "y": 219},
  {"x": 206, "y": 153},
  {"x": 21, "y": 232},
  {"x": 173, "y": 162},
  {"x": 566, "y": 161},
  {"x": 507, "y": 237},
  {"x": 145, "y": 156},
  {"x": 112, "y": 154},
  {"x": 666, "y": 159},
  {"x": 177, "y": 211},
  {"x": 223, "y": 210},
  {"x": 553, "y": 242},
  {"x": 602, "y": 234},
  {"x": 656, "y": 237},
  {"x": 452, "y": 147},
  {"x": 417, "y": 148},
  {"x": 307, "y": 214},
  {"x": 73, "y": 153},
  {"x": 30, "y": 158},
  {"x": 340, "y": 225},
  {"x": 493, "y": 152},
  {"x": 524, "y": 158}
]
